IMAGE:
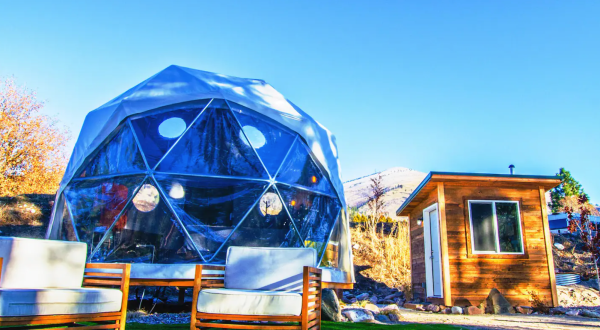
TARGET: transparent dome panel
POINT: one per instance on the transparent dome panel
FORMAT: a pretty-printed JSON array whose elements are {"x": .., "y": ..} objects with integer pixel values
[
  {"x": 314, "y": 214},
  {"x": 331, "y": 255},
  {"x": 119, "y": 155},
  {"x": 157, "y": 133},
  {"x": 298, "y": 168},
  {"x": 213, "y": 146},
  {"x": 270, "y": 140},
  {"x": 210, "y": 208},
  {"x": 147, "y": 233},
  {"x": 67, "y": 232},
  {"x": 96, "y": 203},
  {"x": 267, "y": 225}
]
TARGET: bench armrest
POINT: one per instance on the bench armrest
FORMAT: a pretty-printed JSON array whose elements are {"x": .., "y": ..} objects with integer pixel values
[
  {"x": 107, "y": 275},
  {"x": 202, "y": 280},
  {"x": 311, "y": 296}
]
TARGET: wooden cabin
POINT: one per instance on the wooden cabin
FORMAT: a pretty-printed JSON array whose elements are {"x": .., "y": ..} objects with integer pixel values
[{"x": 470, "y": 233}]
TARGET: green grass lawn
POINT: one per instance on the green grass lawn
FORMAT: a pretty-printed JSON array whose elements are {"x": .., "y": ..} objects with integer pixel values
[{"x": 326, "y": 326}]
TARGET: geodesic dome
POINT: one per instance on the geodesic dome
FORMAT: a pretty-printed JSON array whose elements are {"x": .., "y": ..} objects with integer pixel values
[{"x": 189, "y": 162}]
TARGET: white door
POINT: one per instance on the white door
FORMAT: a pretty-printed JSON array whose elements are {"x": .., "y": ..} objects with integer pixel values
[{"x": 433, "y": 256}]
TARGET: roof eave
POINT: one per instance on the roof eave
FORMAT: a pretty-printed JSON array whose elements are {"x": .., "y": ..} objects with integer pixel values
[{"x": 548, "y": 182}]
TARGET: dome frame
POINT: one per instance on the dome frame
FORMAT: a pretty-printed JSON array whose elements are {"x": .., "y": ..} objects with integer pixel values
[{"x": 78, "y": 164}]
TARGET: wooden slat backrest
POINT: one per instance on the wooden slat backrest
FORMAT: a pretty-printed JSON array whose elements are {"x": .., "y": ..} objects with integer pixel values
[
  {"x": 311, "y": 295},
  {"x": 310, "y": 317}
]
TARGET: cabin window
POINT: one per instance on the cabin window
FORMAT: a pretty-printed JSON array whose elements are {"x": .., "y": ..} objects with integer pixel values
[{"x": 495, "y": 227}]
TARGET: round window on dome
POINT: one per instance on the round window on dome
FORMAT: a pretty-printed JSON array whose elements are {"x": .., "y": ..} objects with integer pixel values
[
  {"x": 177, "y": 191},
  {"x": 270, "y": 204},
  {"x": 146, "y": 199},
  {"x": 172, "y": 128},
  {"x": 256, "y": 137}
]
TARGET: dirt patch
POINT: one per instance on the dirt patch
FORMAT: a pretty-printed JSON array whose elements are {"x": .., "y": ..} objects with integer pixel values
[
  {"x": 579, "y": 295},
  {"x": 25, "y": 215}
]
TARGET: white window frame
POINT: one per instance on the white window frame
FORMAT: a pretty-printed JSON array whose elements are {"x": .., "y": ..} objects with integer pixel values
[{"x": 496, "y": 232}]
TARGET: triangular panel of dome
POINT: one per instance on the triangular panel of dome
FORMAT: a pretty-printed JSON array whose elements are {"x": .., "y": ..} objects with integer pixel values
[
  {"x": 67, "y": 232},
  {"x": 119, "y": 155},
  {"x": 96, "y": 203},
  {"x": 267, "y": 225},
  {"x": 270, "y": 140},
  {"x": 158, "y": 132},
  {"x": 147, "y": 232},
  {"x": 210, "y": 208},
  {"x": 299, "y": 169},
  {"x": 213, "y": 146},
  {"x": 314, "y": 214}
]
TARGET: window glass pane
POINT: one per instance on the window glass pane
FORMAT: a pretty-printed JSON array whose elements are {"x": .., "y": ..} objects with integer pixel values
[
  {"x": 270, "y": 140},
  {"x": 213, "y": 146},
  {"x": 67, "y": 232},
  {"x": 119, "y": 155},
  {"x": 96, "y": 203},
  {"x": 482, "y": 231},
  {"x": 299, "y": 168},
  {"x": 159, "y": 132},
  {"x": 147, "y": 232},
  {"x": 313, "y": 213},
  {"x": 210, "y": 208},
  {"x": 332, "y": 250},
  {"x": 509, "y": 230},
  {"x": 267, "y": 225}
]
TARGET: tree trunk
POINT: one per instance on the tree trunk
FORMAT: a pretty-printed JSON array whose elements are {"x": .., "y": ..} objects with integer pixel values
[{"x": 597, "y": 275}]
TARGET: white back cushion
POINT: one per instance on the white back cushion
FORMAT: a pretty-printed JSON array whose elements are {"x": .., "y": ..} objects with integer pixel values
[
  {"x": 270, "y": 269},
  {"x": 39, "y": 263}
]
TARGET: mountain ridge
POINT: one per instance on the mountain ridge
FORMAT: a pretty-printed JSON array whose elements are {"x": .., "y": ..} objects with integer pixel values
[{"x": 398, "y": 183}]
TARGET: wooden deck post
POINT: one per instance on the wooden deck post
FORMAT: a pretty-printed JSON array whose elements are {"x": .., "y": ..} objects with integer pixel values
[
  {"x": 548, "y": 241},
  {"x": 444, "y": 244}
]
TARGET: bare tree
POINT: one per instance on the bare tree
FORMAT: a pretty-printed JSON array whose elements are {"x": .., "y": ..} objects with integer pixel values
[{"x": 375, "y": 200}]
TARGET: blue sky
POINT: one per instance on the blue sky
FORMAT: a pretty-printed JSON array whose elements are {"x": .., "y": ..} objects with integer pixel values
[{"x": 468, "y": 86}]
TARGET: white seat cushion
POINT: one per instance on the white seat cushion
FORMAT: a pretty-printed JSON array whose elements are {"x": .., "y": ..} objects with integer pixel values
[
  {"x": 40, "y": 263},
  {"x": 163, "y": 271},
  {"x": 168, "y": 271},
  {"x": 249, "y": 302},
  {"x": 272, "y": 269},
  {"x": 27, "y": 302}
]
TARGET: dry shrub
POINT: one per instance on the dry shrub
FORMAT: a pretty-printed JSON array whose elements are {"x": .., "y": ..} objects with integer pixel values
[
  {"x": 572, "y": 258},
  {"x": 539, "y": 305},
  {"x": 15, "y": 213},
  {"x": 25, "y": 215},
  {"x": 387, "y": 254}
]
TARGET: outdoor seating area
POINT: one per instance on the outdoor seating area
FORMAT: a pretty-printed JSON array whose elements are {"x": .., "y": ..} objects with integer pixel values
[
  {"x": 47, "y": 282},
  {"x": 259, "y": 284}
]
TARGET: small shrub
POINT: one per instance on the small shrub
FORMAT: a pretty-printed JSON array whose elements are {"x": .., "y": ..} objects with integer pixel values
[{"x": 539, "y": 305}]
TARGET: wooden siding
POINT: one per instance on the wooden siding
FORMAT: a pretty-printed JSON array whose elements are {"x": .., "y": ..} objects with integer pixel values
[
  {"x": 417, "y": 246},
  {"x": 473, "y": 276}
]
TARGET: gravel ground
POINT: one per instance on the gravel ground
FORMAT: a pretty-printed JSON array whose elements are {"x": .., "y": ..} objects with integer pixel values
[
  {"x": 156, "y": 318},
  {"x": 513, "y": 321},
  {"x": 478, "y": 322}
]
